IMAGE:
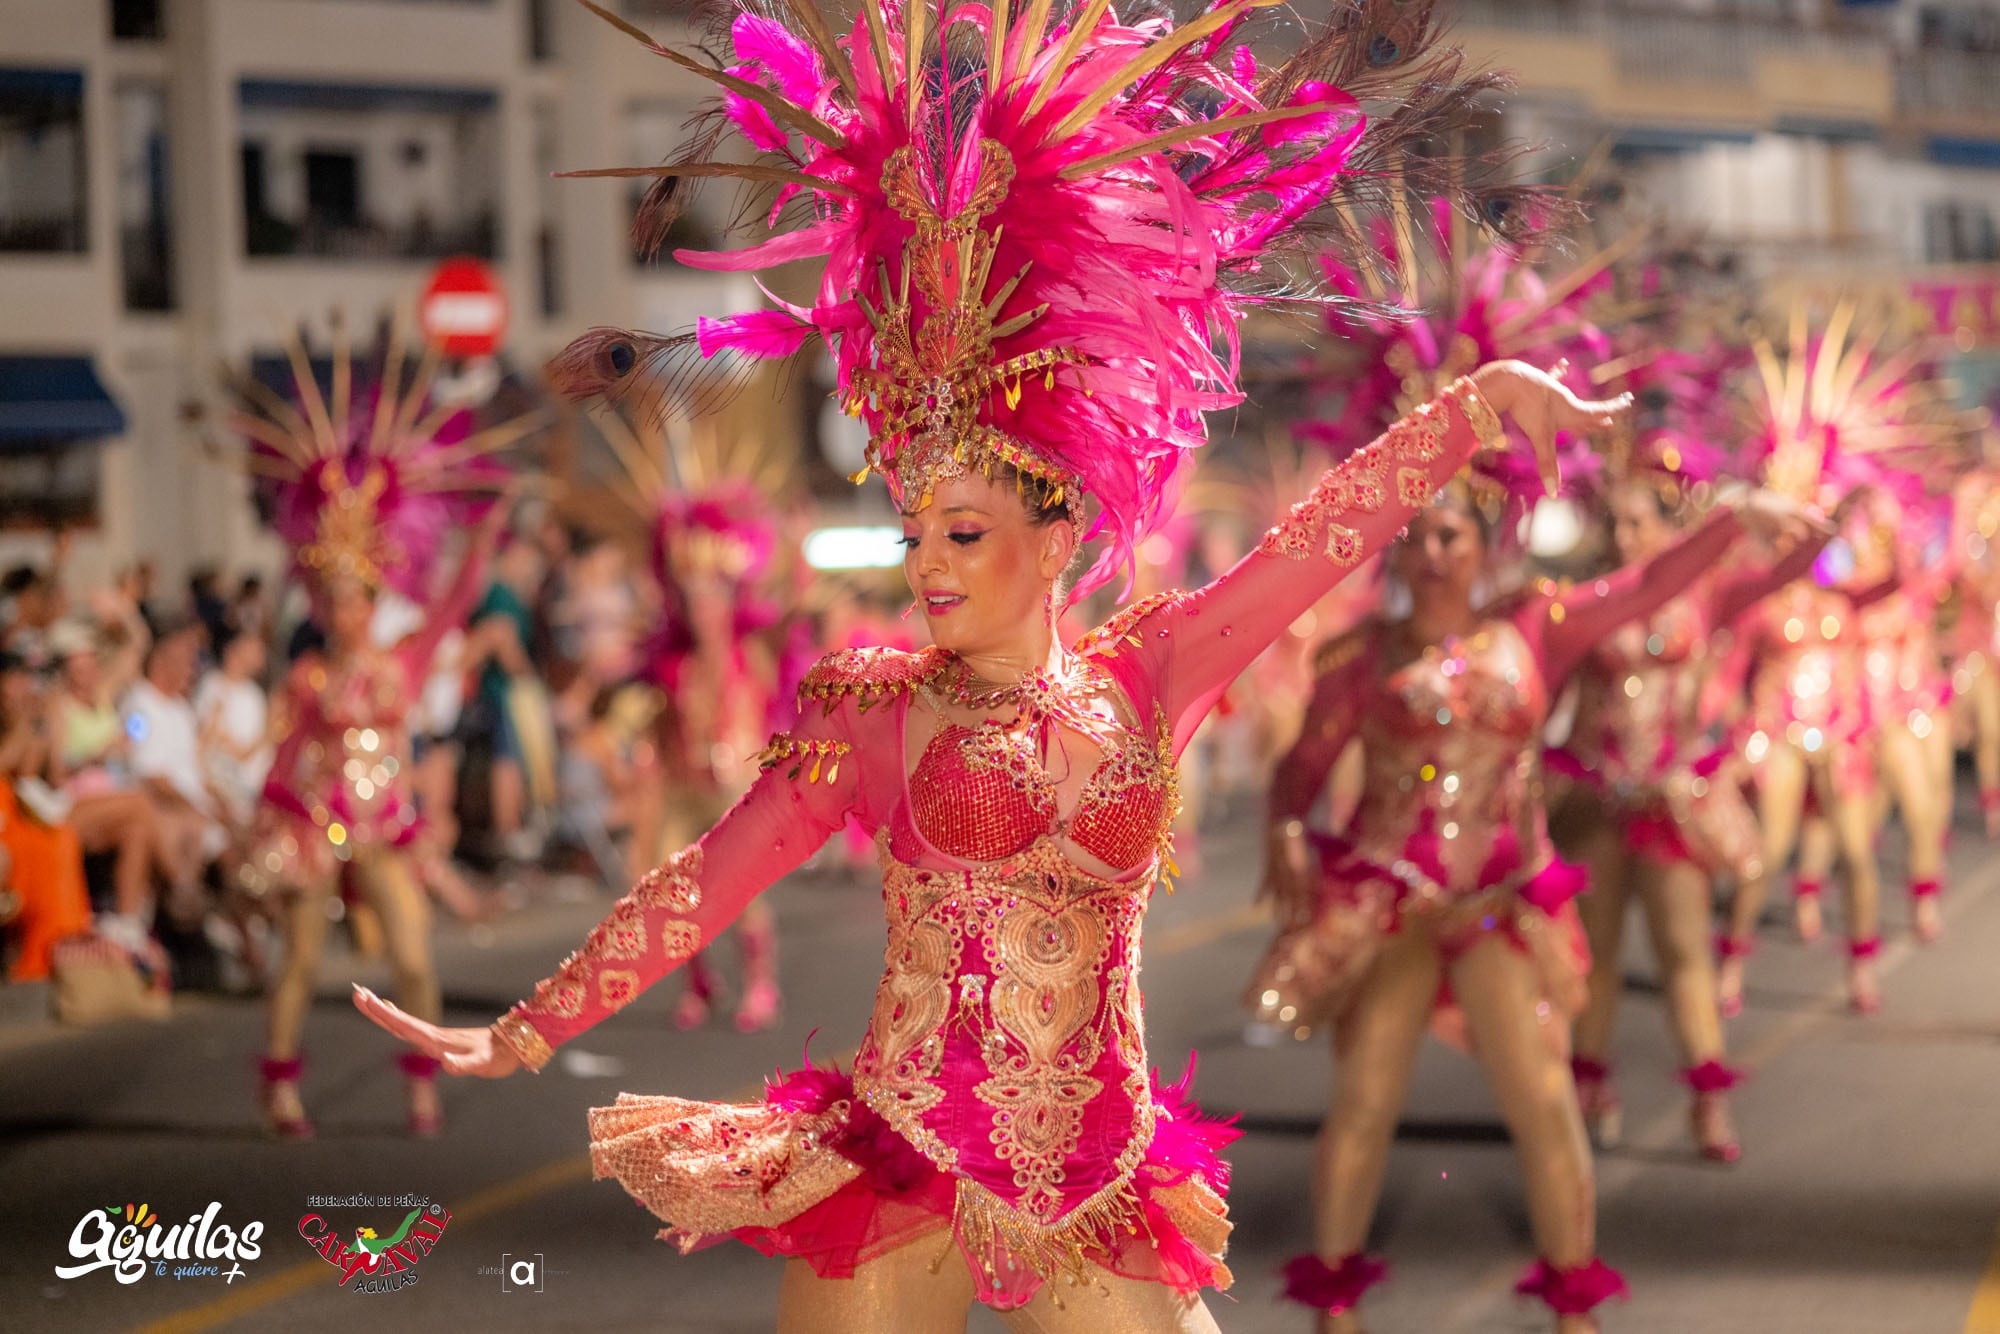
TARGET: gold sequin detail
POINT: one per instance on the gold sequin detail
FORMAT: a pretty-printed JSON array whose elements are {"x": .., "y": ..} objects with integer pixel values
[
  {"x": 870, "y": 676},
  {"x": 817, "y": 758}
]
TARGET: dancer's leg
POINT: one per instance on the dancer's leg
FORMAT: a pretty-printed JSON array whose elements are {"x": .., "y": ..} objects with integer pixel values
[
  {"x": 1985, "y": 692},
  {"x": 1602, "y": 849},
  {"x": 1108, "y": 1304},
  {"x": 899, "y": 1291},
  {"x": 1524, "y": 1057},
  {"x": 1818, "y": 849},
  {"x": 1678, "y": 913},
  {"x": 1855, "y": 826},
  {"x": 1781, "y": 795},
  {"x": 1375, "y": 1045}
]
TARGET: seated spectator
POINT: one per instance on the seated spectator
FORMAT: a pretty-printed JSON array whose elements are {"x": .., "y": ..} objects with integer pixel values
[
  {"x": 43, "y": 855},
  {"x": 166, "y": 759},
  {"x": 88, "y": 759},
  {"x": 233, "y": 718}
]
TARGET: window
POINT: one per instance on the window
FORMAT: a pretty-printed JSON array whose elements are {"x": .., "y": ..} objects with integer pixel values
[
  {"x": 1957, "y": 231},
  {"x": 41, "y": 161},
  {"x": 349, "y": 171},
  {"x": 145, "y": 213},
  {"x": 541, "y": 31},
  {"x": 138, "y": 20}
]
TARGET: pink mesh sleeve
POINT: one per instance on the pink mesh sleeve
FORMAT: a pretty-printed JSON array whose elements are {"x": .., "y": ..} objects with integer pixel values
[
  {"x": 1581, "y": 616},
  {"x": 811, "y": 783},
  {"x": 1332, "y": 715},
  {"x": 1189, "y": 646}
]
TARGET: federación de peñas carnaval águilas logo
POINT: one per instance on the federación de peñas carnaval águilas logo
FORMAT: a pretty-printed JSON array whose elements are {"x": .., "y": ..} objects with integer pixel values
[{"x": 382, "y": 1256}]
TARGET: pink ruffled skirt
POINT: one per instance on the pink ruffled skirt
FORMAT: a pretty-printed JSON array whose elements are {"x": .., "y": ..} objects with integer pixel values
[{"x": 811, "y": 1173}]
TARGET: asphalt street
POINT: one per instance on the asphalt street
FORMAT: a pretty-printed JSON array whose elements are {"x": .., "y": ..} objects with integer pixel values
[{"x": 1867, "y": 1201}]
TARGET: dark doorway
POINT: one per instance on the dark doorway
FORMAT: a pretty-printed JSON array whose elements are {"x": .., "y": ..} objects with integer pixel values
[{"x": 333, "y": 189}]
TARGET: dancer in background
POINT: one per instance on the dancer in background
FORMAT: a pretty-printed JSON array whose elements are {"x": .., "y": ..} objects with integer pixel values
[
  {"x": 1975, "y": 635},
  {"x": 1007, "y": 233},
  {"x": 1832, "y": 414},
  {"x": 1655, "y": 811},
  {"x": 1445, "y": 877},
  {"x": 365, "y": 482}
]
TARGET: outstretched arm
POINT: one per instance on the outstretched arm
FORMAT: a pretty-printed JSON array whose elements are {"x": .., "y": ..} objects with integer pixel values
[
  {"x": 1581, "y": 616},
  {"x": 1188, "y": 647},
  {"x": 448, "y": 613},
  {"x": 1332, "y": 715},
  {"x": 808, "y": 788},
  {"x": 1736, "y": 593}
]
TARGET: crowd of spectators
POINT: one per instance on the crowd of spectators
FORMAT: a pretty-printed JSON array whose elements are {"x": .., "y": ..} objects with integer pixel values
[{"x": 136, "y": 730}]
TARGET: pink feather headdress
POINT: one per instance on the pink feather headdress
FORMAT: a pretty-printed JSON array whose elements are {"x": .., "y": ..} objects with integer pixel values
[
  {"x": 1478, "y": 303},
  {"x": 1840, "y": 410},
  {"x": 1039, "y": 222},
  {"x": 364, "y": 481}
]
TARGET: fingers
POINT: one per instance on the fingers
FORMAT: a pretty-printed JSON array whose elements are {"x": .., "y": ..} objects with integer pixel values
[{"x": 426, "y": 1037}]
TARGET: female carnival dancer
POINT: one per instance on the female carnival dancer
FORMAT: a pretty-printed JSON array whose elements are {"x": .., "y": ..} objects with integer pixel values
[
  {"x": 1024, "y": 317},
  {"x": 1655, "y": 811},
  {"x": 1975, "y": 632},
  {"x": 365, "y": 483},
  {"x": 1445, "y": 875},
  {"x": 1832, "y": 416}
]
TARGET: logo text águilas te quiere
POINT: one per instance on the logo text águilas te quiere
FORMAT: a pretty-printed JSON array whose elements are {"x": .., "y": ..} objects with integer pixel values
[
  {"x": 130, "y": 1242},
  {"x": 378, "y": 1262}
]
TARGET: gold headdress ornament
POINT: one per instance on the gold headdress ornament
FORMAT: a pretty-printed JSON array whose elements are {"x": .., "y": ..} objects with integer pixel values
[
  {"x": 1841, "y": 409},
  {"x": 1040, "y": 222},
  {"x": 367, "y": 478}
]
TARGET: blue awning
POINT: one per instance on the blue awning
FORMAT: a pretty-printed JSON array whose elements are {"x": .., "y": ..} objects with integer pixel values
[{"x": 50, "y": 402}]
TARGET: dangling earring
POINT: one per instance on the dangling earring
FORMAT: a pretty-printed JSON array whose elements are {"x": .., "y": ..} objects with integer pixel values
[
  {"x": 1049, "y": 602},
  {"x": 907, "y": 610}
]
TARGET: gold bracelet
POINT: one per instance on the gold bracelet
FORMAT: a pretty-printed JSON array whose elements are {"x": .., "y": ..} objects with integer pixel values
[{"x": 1478, "y": 413}]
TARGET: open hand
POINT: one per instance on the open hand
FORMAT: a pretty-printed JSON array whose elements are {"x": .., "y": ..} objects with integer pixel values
[
  {"x": 461, "y": 1051},
  {"x": 1541, "y": 405},
  {"x": 1775, "y": 518}
]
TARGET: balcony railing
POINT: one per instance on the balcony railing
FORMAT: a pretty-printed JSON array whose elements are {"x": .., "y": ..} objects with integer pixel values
[
  {"x": 1671, "y": 44},
  {"x": 1949, "y": 81}
]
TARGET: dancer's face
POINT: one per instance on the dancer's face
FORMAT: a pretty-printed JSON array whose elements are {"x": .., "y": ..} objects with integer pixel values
[
  {"x": 350, "y": 611},
  {"x": 1638, "y": 529},
  {"x": 980, "y": 567},
  {"x": 1440, "y": 557}
]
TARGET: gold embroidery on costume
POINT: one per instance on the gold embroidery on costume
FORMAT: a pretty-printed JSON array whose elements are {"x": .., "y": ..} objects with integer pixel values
[
  {"x": 672, "y": 884},
  {"x": 621, "y": 936},
  {"x": 1039, "y": 1089},
  {"x": 709, "y": 1168}
]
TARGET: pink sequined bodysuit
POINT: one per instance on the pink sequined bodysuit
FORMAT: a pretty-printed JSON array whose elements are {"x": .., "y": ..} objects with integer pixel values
[
  {"x": 339, "y": 783},
  {"x": 1450, "y": 823},
  {"x": 1002, "y": 1089},
  {"x": 1642, "y": 739},
  {"x": 1806, "y": 685}
]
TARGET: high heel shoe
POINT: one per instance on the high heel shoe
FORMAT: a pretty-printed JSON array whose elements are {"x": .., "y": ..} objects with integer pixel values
[
  {"x": 1925, "y": 918},
  {"x": 697, "y": 995},
  {"x": 1733, "y": 954},
  {"x": 760, "y": 1007},
  {"x": 426, "y": 1112},
  {"x": 284, "y": 1112},
  {"x": 1864, "y": 996},
  {"x": 1597, "y": 1099},
  {"x": 1807, "y": 917},
  {"x": 1714, "y": 1135}
]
